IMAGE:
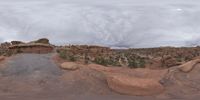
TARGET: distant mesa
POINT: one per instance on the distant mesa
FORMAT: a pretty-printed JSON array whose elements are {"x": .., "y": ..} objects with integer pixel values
[{"x": 38, "y": 46}]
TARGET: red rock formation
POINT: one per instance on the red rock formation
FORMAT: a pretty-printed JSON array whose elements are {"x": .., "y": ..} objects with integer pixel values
[
  {"x": 187, "y": 67},
  {"x": 31, "y": 48},
  {"x": 17, "y": 42},
  {"x": 134, "y": 86}
]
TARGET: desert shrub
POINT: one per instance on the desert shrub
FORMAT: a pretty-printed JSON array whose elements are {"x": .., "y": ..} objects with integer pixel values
[
  {"x": 8, "y": 53},
  {"x": 101, "y": 61},
  {"x": 137, "y": 63},
  {"x": 132, "y": 64},
  {"x": 86, "y": 58},
  {"x": 113, "y": 62},
  {"x": 142, "y": 63},
  {"x": 66, "y": 55},
  {"x": 71, "y": 58},
  {"x": 62, "y": 54},
  {"x": 106, "y": 61},
  {"x": 19, "y": 51},
  {"x": 180, "y": 59}
]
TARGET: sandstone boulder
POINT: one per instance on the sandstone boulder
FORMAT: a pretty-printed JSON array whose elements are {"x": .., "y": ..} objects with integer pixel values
[
  {"x": 187, "y": 67},
  {"x": 134, "y": 86},
  {"x": 69, "y": 66}
]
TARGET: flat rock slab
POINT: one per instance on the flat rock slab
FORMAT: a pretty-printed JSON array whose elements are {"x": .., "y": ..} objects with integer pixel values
[
  {"x": 33, "y": 65},
  {"x": 70, "y": 66},
  {"x": 187, "y": 67},
  {"x": 134, "y": 86}
]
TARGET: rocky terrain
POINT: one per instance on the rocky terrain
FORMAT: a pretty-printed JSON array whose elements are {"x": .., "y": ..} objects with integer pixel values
[
  {"x": 39, "y": 70},
  {"x": 154, "y": 58}
]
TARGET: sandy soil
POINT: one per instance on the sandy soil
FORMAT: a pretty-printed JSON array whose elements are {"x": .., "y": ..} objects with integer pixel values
[{"x": 38, "y": 77}]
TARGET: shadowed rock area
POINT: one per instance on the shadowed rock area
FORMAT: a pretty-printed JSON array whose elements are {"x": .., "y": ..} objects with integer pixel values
[{"x": 27, "y": 65}]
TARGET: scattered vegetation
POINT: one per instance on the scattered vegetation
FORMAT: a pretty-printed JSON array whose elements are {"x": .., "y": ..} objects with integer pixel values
[
  {"x": 8, "y": 53},
  {"x": 180, "y": 59},
  {"x": 66, "y": 55},
  {"x": 101, "y": 61},
  {"x": 19, "y": 51},
  {"x": 137, "y": 63},
  {"x": 106, "y": 61}
]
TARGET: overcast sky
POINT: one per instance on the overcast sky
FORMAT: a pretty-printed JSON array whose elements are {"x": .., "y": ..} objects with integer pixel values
[{"x": 116, "y": 23}]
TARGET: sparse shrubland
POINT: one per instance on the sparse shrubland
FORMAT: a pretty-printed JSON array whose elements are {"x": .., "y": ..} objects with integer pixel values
[
  {"x": 66, "y": 55},
  {"x": 136, "y": 63}
]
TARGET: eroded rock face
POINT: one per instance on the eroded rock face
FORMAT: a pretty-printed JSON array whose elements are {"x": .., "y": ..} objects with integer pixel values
[
  {"x": 39, "y": 46},
  {"x": 134, "y": 86},
  {"x": 187, "y": 67},
  {"x": 69, "y": 66},
  {"x": 169, "y": 61}
]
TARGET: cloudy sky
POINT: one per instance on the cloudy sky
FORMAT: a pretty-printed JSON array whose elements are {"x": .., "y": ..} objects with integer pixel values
[{"x": 115, "y": 23}]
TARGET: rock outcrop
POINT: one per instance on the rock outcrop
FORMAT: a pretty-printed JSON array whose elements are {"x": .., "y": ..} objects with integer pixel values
[
  {"x": 69, "y": 66},
  {"x": 39, "y": 46},
  {"x": 42, "y": 40},
  {"x": 17, "y": 42},
  {"x": 187, "y": 67},
  {"x": 31, "y": 48},
  {"x": 134, "y": 86}
]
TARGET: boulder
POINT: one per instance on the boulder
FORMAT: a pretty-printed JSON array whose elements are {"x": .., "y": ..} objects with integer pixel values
[
  {"x": 69, "y": 66},
  {"x": 134, "y": 86},
  {"x": 187, "y": 67}
]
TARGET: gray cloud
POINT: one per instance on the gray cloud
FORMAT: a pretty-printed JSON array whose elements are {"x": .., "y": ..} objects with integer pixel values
[{"x": 123, "y": 23}]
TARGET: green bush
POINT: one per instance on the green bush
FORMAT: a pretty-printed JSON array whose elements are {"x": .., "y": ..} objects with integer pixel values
[
  {"x": 8, "y": 53},
  {"x": 62, "y": 54},
  {"x": 106, "y": 61},
  {"x": 71, "y": 58},
  {"x": 18, "y": 51},
  {"x": 66, "y": 55},
  {"x": 180, "y": 59},
  {"x": 101, "y": 61},
  {"x": 137, "y": 63}
]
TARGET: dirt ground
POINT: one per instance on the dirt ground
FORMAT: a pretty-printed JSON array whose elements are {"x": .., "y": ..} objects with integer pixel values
[{"x": 38, "y": 77}]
